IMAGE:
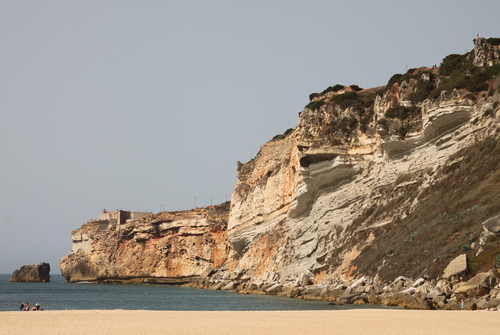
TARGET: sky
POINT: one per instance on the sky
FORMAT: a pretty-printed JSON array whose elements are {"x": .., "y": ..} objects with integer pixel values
[{"x": 148, "y": 105}]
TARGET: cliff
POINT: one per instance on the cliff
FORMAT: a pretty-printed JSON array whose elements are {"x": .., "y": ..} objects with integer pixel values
[
  {"x": 32, "y": 273},
  {"x": 166, "y": 247},
  {"x": 371, "y": 184},
  {"x": 364, "y": 171}
]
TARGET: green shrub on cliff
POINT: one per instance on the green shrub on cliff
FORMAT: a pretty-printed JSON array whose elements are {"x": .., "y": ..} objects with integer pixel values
[
  {"x": 399, "y": 78},
  {"x": 382, "y": 122},
  {"x": 335, "y": 88},
  {"x": 492, "y": 71},
  {"x": 314, "y": 105},
  {"x": 355, "y": 88},
  {"x": 493, "y": 40},
  {"x": 345, "y": 100},
  {"x": 458, "y": 72},
  {"x": 394, "y": 79},
  {"x": 401, "y": 112},
  {"x": 477, "y": 82},
  {"x": 456, "y": 64},
  {"x": 313, "y": 95},
  {"x": 422, "y": 90},
  {"x": 282, "y": 136},
  {"x": 345, "y": 124}
]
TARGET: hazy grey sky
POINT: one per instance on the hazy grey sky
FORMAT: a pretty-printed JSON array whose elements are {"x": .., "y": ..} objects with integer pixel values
[{"x": 142, "y": 105}]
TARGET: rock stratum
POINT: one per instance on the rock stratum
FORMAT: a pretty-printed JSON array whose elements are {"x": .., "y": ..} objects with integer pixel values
[
  {"x": 372, "y": 188},
  {"x": 168, "y": 247}
]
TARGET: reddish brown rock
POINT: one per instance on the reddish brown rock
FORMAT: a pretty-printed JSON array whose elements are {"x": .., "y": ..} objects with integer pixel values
[{"x": 174, "y": 247}]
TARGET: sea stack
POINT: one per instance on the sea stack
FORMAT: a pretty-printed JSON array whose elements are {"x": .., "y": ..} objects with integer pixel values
[{"x": 32, "y": 273}]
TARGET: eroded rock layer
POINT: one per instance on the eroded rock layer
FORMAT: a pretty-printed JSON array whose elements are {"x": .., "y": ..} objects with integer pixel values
[
  {"x": 371, "y": 185},
  {"x": 163, "y": 248},
  {"x": 313, "y": 194}
]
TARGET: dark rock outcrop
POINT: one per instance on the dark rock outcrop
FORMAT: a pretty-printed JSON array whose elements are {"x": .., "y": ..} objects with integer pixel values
[{"x": 32, "y": 273}]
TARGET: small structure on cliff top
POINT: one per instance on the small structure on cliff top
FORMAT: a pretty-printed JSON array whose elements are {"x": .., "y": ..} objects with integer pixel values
[
  {"x": 106, "y": 220},
  {"x": 32, "y": 273},
  {"x": 119, "y": 217}
]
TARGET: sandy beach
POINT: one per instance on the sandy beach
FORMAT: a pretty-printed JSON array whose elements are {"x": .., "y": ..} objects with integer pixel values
[{"x": 356, "y": 321}]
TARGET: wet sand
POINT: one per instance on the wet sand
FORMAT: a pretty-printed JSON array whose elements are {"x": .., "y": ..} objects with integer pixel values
[{"x": 356, "y": 321}]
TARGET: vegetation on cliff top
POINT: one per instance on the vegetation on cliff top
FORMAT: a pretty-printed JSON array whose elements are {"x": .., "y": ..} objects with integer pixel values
[
  {"x": 284, "y": 135},
  {"x": 455, "y": 72},
  {"x": 493, "y": 41}
]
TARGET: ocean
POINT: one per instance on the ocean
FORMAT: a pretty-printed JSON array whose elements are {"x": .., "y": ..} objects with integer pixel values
[{"x": 59, "y": 295}]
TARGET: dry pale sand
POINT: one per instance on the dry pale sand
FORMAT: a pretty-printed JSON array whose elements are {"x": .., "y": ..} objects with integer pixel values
[{"x": 357, "y": 321}]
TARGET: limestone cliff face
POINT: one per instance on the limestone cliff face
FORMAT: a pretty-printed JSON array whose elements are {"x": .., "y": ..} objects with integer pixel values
[
  {"x": 297, "y": 209},
  {"x": 163, "y": 248},
  {"x": 264, "y": 193},
  {"x": 486, "y": 54},
  {"x": 362, "y": 185}
]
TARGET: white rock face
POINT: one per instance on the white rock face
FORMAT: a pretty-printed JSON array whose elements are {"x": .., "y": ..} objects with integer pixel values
[
  {"x": 81, "y": 242},
  {"x": 456, "y": 266},
  {"x": 272, "y": 176},
  {"x": 294, "y": 204},
  {"x": 485, "y": 53}
]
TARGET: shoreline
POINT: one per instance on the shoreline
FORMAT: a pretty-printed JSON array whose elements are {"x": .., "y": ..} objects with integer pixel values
[{"x": 352, "y": 321}]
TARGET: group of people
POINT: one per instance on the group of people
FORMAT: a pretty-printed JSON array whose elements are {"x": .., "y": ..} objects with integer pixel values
[{"x": 25, "y": 306}]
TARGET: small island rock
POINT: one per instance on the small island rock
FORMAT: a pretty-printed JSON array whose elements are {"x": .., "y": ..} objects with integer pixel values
[{"x": 32, "y": 273}]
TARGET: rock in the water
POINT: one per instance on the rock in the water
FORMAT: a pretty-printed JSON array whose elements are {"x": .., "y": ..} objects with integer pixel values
[
  {"x": 32, "y": 273},
  {"x": 456, "y": 267}
]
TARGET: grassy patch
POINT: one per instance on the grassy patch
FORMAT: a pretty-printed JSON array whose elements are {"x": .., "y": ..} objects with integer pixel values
[{"x": 446, "y": 222}]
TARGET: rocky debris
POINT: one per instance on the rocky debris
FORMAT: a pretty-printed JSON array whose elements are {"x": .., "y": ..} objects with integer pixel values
[
  {"x": 456, "y": 267},
  {"x": 32, "y": 273},
  {"x": 208, "y": 271},
  {"x": 480, "y": 292},
  {"x": 492, "y": 225},
  {"x": 477, "y": 286}
]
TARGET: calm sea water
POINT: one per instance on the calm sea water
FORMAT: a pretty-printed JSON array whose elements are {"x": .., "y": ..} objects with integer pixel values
[{"x": 59, "y": 295}]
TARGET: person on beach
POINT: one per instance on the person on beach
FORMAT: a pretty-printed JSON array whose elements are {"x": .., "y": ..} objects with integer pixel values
[
  {"x": 26, "y": 306},
  {"x": 37, "y": 307},
  {"x": 462, "y": 305},
  {"x": 23, "y": 307}
]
